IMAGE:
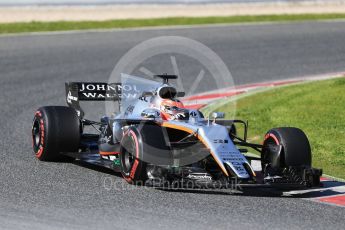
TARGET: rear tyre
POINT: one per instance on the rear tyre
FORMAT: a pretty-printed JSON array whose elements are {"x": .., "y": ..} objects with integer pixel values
[
  {"x": 55, "y": 129},
  {"x": 285, "y": 147}
]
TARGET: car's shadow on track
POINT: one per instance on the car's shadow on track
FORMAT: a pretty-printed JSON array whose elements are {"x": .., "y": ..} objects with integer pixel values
[
  {"x": 245, "y": 191},
  {"x": 97, "y": 168},
  {"x": 327, "y": 189}
]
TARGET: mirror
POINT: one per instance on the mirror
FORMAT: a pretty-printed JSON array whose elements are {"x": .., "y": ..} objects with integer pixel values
[
  {"x": 180, "y": 94},
  {"x": 151, "y": 113},
  {"x": 216, "y": 115},
  {"x": 147, "y": 94}
]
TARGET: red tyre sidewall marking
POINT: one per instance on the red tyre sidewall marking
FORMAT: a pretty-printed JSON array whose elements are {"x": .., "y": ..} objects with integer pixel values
[
  {"x": 273, "y": 137},
  {"x": 134, "y": 168},
  {"x": 39, "y": 153},
  {"x": 128, "y": 179},
  {"x": 136, "y": 161}
]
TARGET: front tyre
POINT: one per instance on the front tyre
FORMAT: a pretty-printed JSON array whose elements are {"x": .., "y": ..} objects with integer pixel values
[
  {"x": 286, "y": 157},
  {"x": 55, "y": 129},
  {"x": 133, "y": 169},
  {"x": 296, "y": 149},
  {"x": 283, "y": 148}
]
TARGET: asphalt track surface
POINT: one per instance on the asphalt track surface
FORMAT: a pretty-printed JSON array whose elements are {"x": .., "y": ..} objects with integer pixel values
[{"x": 40, "y": 195}]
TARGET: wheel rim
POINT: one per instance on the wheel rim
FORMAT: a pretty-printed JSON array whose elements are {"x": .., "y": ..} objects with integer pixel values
[
  {"x": 265, "y": 161},
  {"x": 36, "y": 134}
]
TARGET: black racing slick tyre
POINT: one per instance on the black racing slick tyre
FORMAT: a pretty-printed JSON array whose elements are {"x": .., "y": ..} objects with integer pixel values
[
  {"x": 284, "y": 147},
  {"x": 55, "y": 129},
  {"x": 133, "y": 169}
]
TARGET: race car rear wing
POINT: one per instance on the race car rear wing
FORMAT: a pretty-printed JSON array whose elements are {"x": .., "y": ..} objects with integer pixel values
[{"x": 90, "y": 91}]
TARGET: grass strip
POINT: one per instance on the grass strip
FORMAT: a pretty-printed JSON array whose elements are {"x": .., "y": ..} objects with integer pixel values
[{"x": 35, "y": 26}]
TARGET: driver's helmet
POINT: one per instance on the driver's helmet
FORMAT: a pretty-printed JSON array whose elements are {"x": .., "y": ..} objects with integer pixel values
[{"x": 173, "y": 109}]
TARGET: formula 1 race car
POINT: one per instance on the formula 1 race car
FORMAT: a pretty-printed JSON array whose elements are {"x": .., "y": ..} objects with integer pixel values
[{"x": 154, "y": 140}]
